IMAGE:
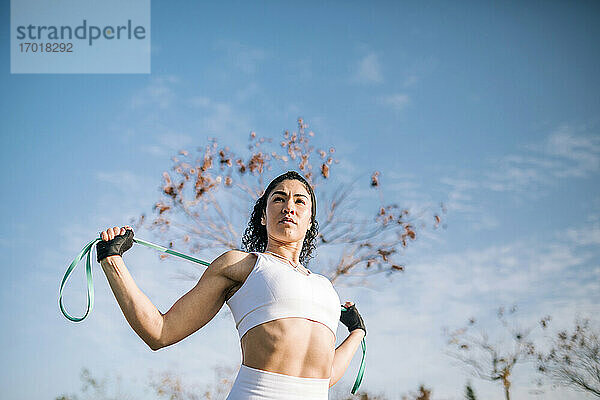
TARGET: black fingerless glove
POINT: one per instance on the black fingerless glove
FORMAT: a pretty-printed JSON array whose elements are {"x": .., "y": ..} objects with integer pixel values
[
  {"x": 119, "y": 245},
  {"x": 352, "y": 319}
]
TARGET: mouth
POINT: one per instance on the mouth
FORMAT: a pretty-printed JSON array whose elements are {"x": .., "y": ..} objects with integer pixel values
[{"x": 286, "y": 219}]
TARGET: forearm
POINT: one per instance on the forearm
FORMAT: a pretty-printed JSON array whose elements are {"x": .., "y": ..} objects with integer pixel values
[
  {"x": 344, "y": 354},
  {"x": 145, "y": 319}
]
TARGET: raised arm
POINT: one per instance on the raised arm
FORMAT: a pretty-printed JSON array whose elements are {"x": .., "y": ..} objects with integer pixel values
[
  {"x": 191, "y": 312},
  {"x": 140, "y": 313},
  {"x": 198, "y": 306}
]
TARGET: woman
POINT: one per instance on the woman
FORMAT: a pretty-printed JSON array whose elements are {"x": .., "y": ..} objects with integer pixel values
[{"x": 286, "y": 316}]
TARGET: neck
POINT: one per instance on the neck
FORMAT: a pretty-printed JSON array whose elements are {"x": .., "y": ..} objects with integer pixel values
[{"x": 290, "y": 251}]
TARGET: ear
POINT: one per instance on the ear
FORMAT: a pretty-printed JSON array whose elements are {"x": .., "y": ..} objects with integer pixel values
[{"x": 262, "y": 220}]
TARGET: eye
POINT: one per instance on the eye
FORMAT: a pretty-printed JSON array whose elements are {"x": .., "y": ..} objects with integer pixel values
[
  {"x": 300, "y": 201},
  {"x": 277, "y": 198}
]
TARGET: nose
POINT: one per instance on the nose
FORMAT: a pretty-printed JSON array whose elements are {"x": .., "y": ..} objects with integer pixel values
[{"x": 289, "y": 207}]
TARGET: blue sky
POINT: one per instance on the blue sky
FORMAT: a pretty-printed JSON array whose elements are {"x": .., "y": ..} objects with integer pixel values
[{"x": 493, "y": 109}]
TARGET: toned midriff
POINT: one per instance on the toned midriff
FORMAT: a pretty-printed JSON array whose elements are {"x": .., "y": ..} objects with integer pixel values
[{"x": 290, "y": 346}]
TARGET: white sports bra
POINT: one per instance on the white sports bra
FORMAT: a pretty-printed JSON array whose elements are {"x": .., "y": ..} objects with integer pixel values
[{"x": 274, "y": 289}]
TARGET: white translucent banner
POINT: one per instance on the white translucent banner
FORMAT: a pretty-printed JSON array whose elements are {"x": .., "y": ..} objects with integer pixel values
[{"x": 80, "y": 36}]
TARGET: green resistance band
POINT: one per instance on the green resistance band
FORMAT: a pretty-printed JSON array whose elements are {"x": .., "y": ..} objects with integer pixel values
[{"x": 87, "y": 250}]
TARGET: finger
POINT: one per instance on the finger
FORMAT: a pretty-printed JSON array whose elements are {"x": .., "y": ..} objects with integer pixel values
[
  {"x": 122, "y": 231},
  {"x": 104, "y": 235},
  {"x": 116, "y": 230}
]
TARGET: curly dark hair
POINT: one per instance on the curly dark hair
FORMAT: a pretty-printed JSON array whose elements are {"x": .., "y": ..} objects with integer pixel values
[{"x": 255, "y": 235}]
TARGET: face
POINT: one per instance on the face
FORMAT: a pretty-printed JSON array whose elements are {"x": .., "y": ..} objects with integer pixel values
[{"x": 288, "y": 212}]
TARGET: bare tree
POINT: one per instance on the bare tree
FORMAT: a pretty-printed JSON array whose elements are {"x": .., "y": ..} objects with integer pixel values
[
  {"x": 422, "y": 394},
  {"x": 206, "y": 200},
  {"x": 493, "y": 361},
  {"x": 361, "y": 395},
  {"x": 97, "y": 389},
  {"x": 573, "y": 359},
  {"x": 165, "y": 385},
  {"x": 469, "y": 392},
  {"x": 170, "y": 386}
]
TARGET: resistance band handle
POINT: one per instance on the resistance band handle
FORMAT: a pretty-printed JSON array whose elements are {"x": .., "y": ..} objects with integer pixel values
[{"x": 87, "y": 251}]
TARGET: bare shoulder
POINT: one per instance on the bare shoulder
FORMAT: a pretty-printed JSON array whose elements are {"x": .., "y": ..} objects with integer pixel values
[{"x": 234, "y": 264}]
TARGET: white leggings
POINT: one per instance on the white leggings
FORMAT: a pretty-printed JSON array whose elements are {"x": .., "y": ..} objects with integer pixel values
[{"x": 257, "y": 384}]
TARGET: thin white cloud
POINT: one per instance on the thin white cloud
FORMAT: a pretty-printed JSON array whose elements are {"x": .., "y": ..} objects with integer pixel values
[
  {"x": 568, "y": 152},
  {"x": 579, "y": 152},
  {"x": 199, "y": 101},
  {"x": 248, "y": 92},
  {"x": 411, "y": 80},
  {"x": 158, "y": 93},
  {"x": 153, "y": 149},
  {"x": 417, "y": 69},
  {"x": 527, "y": 173},
  {"x": 396, "y": 101},
  {"x": 119, "y": 178},
  {"x": 245, "y": 58},
  {"x": 167, "y": 144},
  {"x": 223, "y": 120},
  {"x": 460, "y": 199},
  {"x": 585, "y": 236},
  {"x": 207, "y": 117},
  {"x": 368, "y": 70}
]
